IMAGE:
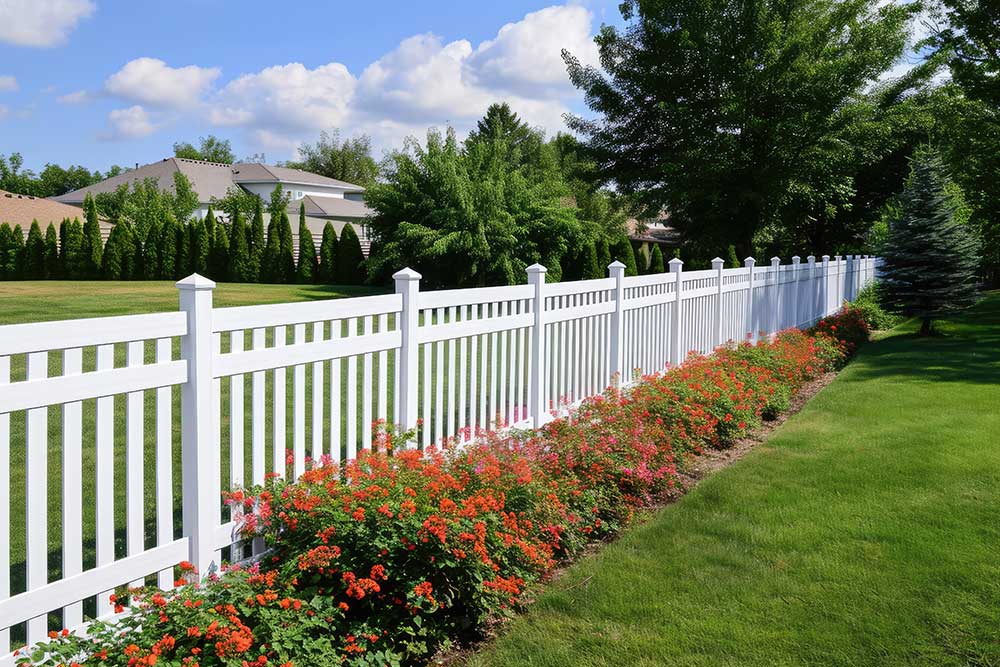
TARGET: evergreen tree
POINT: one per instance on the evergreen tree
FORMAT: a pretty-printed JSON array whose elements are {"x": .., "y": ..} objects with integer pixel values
[
  {"x": 621, "y": 250},
  {"x": 63, "y": 234},
  {"x": 656, "y": 264},
  {"x": 91, "y": 248},
  {"x": 239, "y": 255},
  {"x": 73, "y": 250},
  {"x": 269, "y": 258},
  {"x": 167, "y": 253},
  {"x": 591, "y": 268},
  {"x": 210, "y": 223},
  {"x": 308, "y": 269},
  {"x": 286, "y": 256},
  {"x": 641, "y": 259},
  {"x": 219, "y": 264},
  {"x": 930, "y": 259},
  {"x": 151, "y": 267},
  {"x": 182, "y": 263},
  {"x": 349, "y": 269},
  {"x": 15, "y": 253},
  {"x": 116, "y": 258},
  {"x": 5, "y": 240},
  {"x": 34, "y": 253},
  {"x": 135, "y": 265},
  {"x": 328, "y": 254},
  {"x": 732, "y": 261},
  {"x": 53, "y": 267},
  {"x": 200, "y": 248},
  {"x": 256, "y": 243},
  {"x": 603, "y": 255}
]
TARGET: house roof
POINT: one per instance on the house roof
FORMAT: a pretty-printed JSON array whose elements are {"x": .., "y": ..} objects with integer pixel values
[
  {"x": 330, "y": 207},
  {"x": 252, "y": 172},
  {"x": 23, "y": 209},
  {"x": 211, "y": 180}
]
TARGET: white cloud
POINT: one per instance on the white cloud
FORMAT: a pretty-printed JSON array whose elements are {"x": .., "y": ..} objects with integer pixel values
[
  {"x": 130, "y": 123},
  {"x": 152, "y": 82},
  {"x": 286, "y": 97},
  {"x": 8, "y": 84},
  {"x": 3, "y": 112},
  {"x": 423, "y": 82},
  {"x": 41, "y": 22},
  {"x": 77, "y": 97}
]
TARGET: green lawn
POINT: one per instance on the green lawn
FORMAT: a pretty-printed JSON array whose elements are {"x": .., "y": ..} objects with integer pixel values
[{"x": 865, "y": 531}]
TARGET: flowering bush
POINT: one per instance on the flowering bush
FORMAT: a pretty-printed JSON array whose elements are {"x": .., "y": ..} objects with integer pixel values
[
  {"x": 847, "y": 329},
  {"x": 384, "y": 559}
]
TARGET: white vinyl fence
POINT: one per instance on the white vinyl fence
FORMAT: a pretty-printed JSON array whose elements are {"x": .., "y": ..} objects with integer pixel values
[{"x": 120, "y": 433}]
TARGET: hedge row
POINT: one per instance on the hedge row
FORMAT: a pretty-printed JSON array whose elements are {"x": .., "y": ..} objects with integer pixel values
[
  {"x": 384, "y": 560},
  {"x": 235, "y": 252}
]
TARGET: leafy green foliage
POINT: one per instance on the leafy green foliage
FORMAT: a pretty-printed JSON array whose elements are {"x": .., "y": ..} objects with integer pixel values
[
  {"x": 328, "y": 255},
  {"x": 210, "y": 149},
  {"x": 92, "y": 248},
  {"x": 256, "y": 242},
  {"x": 34, "y": 253},
  {"x": 349, "y": 160},
  {"x": 656, "y": 264},
  {"x": 349, "y": 264},
  {"x": 869, "y": 302},
  {"x": 621, "y": 251},
  {"x": 117, "y": 259},
  {"x": 718, "y": 113},
  {"x": 308, "y": 268},
  {"x": 52, "y": 181},
  {"x": 239, "y": 270},
  {"x": 930, "y": 260}
]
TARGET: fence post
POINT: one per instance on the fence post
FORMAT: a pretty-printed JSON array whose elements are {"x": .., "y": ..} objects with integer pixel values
[
  {"x": 775, "y": 294},
  {"x": 616, "y": 270},
  {"x": 677, "y": 268},
  {"x": 839, "y": 281},
  {"x": 826, "y": 286},
  {"x": 811, "y": 260},
  {"x": 200, "y": 487},
  {"x": 795, "y": 290},
  {"x": 718, "y": 265},
  {"x": 749, "y": 263},
  {"x": 536, "y": 383},
  {"x": 408, "y": 285}
]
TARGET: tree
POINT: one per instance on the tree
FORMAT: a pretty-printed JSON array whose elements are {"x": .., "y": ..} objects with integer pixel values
[
  {"x": 34, "y": 253},
  {"x": 237, "y": 200},
  {"x": 256, "y": 243},
  {"x": 971, "y": 39},
  {"x": 168, "y": 249},
  {"x": 91, "y": 248},
  {"x": 522, "y": 143},
  {"x": 152, "y": 247},
  {"x": 182, "y": 263},
  {"x": 13, "y": 259},
  {"x": 210, "y": 149},
  {"x": 53, "y": 180},
  {"x": 116, "y": 258},
  {"x": 72, "y": 251},
  {"x": 286, "y": 255},
  {"x": 656, "y": 264},
  {"x": 239, "y": 255},
  {"x": 349, "y": 263},
  {"x": 269, "y": 270},
  {"x": 732, "y": 260},
  {"x": 621, "y": 250},
  {"x": 709, "y": 111},
  {"x": 308, "y": 269},
  {"x": 219, "y": 262},
  {"x": 930, "y": 259},
  {"x": 603, "y": 254},
  {"x": 328, "y": 254},
  {"x": 469, "y": 217},
  {"x": 5, "y": 240},
  {"x": 53, "y": 267},
  {"x": 349, "y": 160}
]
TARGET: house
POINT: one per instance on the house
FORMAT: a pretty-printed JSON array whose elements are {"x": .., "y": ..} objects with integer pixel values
[
  {"x": 324, "y": 198},
  {"x": 22, "y": 210}
]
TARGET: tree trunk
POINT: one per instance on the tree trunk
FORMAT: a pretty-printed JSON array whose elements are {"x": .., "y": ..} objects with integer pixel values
[{"x": 925, "y": 327}]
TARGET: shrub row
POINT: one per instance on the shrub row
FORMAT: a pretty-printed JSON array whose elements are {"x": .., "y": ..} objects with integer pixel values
[
  {"x": 235, "y": 251},
  {"x": 385, "y": 559}
]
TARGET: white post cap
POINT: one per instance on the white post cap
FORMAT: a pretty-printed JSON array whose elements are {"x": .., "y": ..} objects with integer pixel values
[
  {"x": 195, "y": 282},
  {"x": 537, "y": 268},
  {"x": 718, "y": 263},
  {"x": 749, "y": 261},
  {"x": 406, "y": 274},
  {"x": 675, "y": 264}
]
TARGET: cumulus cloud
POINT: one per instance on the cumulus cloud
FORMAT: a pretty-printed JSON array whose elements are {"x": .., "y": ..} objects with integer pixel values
[
  {"x": 41, "y": 22},
  {"x": 422, "y": 82},
  {"x": 77, "y": 97},
  {"x": 152, "y": 82},
  {"x": 131, "y": 123},
  {"x": 8, "y": 84}
]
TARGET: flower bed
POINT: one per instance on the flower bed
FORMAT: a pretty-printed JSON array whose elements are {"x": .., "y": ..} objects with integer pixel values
[{"x": 384, "y": 560}]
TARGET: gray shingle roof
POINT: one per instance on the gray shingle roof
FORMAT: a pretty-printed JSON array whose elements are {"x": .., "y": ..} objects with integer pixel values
[
  {"x": 330, "y": 207},
  {"x": 210, "y": 180}
]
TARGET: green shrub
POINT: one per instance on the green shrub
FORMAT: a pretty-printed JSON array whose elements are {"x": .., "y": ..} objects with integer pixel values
[
  {"x": 328, "y": 254},
  {"x": 53, "y": 267},
  {"x": 34, "y": 253},
  {"x": 308, "y": 268},
  {"x": 350, "y": 259},
  {"x": 869, "y": 302}
]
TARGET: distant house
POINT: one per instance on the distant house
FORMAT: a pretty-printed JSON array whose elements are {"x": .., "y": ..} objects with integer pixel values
[
  {"x": 324, "y": 198},
  {"x": 24, "y": 209}
]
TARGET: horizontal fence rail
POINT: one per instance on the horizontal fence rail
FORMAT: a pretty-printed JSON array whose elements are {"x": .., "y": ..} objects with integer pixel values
[{"x": 120, "y": 434}]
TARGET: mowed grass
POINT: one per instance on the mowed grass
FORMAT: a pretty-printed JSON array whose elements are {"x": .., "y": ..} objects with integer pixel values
[{"x": 865, "y": 531}]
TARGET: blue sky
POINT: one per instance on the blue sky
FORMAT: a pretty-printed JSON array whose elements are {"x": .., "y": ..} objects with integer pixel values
[{"x": 97, "y": 82}]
